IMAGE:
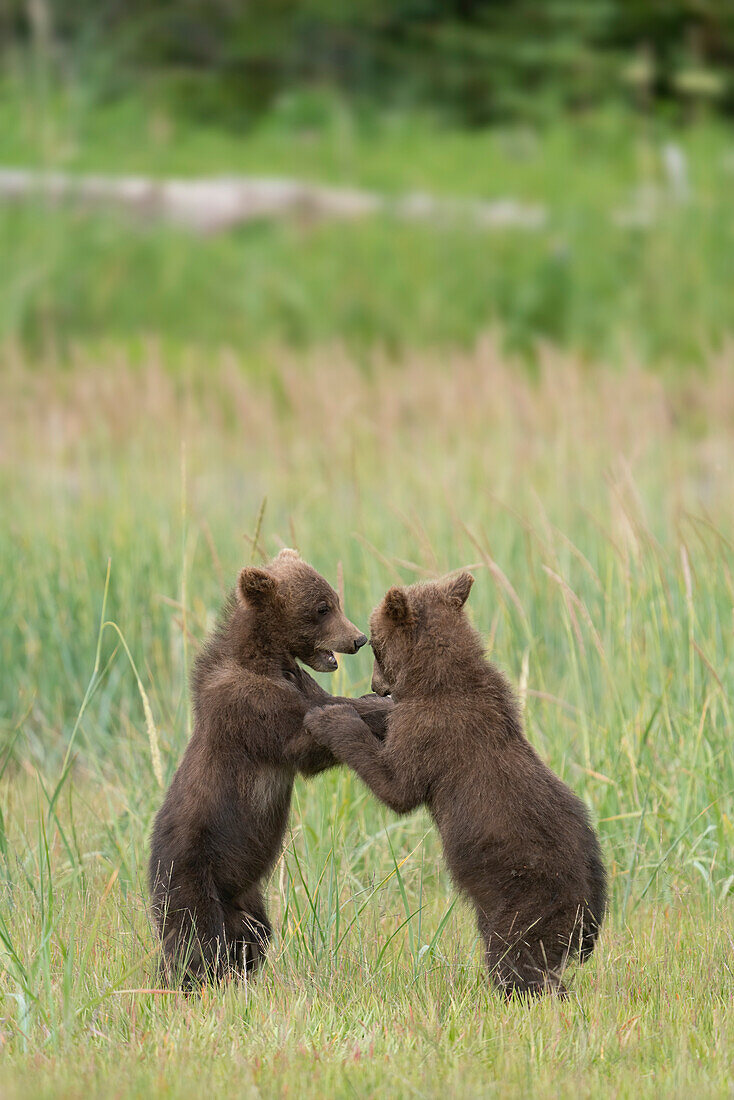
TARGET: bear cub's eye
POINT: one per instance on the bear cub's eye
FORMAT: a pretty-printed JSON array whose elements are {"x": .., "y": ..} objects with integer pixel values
[{"x": 322, "y": 609}]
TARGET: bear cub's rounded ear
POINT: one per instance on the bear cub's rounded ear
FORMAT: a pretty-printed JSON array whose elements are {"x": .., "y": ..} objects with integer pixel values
[
  {"x": 397, "y": 607},
  {"x": 256, "y": 587},
  {"x": 459, "y": 587}
]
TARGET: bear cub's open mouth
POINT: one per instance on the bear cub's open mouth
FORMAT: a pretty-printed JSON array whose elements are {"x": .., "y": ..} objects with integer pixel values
[{"x": 324, "y": 661}]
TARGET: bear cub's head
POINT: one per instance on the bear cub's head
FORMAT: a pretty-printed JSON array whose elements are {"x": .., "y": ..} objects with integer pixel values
[
  {"x": 297, "y": 607},
  {"x": 420, "y": 636}
]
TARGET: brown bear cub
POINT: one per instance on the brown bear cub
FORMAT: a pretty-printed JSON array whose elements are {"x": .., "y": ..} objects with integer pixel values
[
  {"x": 221, "y": 826},
  {"x": 516, "y": 839}
]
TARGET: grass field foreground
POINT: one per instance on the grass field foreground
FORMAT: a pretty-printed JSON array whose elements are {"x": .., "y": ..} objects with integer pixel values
[{"x": 595, "y": 507}]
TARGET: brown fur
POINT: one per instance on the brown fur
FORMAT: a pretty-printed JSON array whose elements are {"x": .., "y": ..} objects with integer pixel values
[
  {"x": 221, "y": 826},
  {"x": 517, "y": 841}
]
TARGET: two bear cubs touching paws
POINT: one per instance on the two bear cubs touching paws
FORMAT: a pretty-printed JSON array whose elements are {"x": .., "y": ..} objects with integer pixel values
[{"x": 443, "y": 730}]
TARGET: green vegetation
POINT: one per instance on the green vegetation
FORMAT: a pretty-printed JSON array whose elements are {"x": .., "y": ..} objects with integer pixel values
[
  {"x": 621, "y": 262},
  {"x": 474, "y": 61},
  {"x": 363, "y": 389},
  {"x": 604, "y": 587}
]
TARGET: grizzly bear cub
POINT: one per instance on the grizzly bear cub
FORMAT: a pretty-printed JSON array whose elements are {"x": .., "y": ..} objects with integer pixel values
[
  {"x": 516, "y": 839},
  {"x": 221, "y": 826}
]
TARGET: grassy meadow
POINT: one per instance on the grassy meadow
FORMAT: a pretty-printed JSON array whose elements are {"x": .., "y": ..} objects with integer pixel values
[
  {"x": 595, "y": 507},
  {"x": 554, "y": 409},
  {"x": 632, "y": 255}
]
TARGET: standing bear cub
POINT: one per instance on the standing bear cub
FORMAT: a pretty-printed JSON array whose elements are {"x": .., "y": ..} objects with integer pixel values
[
  {"x": 221, "y": 826},
  {"x": 517, "y": 841}
]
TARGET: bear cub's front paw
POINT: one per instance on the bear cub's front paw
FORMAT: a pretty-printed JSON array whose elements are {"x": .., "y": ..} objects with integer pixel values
[{"x": 323, "y": 722}]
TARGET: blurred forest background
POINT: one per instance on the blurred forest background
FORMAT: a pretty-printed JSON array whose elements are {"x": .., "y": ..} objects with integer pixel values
[{"x": 472, "y": 61}]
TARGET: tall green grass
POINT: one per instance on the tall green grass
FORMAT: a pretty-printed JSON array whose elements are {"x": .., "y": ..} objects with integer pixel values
[
  {"x": 595, "y": 509},
  {"x": 658, "y": 283}
]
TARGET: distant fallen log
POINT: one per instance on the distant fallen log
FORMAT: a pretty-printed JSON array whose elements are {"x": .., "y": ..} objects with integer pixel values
[{"x": 213, "y": 205}]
